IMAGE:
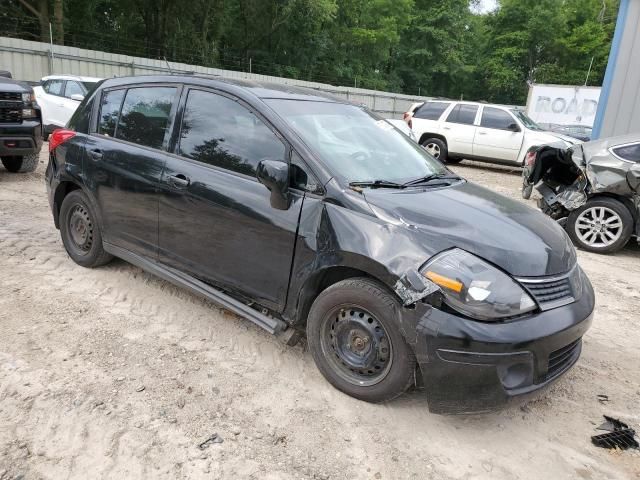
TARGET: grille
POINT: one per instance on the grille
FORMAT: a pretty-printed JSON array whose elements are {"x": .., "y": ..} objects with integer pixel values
[
  {"x": 11, "y": 96},
  {"x": 561, "y": 359},
  {"x": 555, "y": 291},
  {"x": 10, "y": 107}
]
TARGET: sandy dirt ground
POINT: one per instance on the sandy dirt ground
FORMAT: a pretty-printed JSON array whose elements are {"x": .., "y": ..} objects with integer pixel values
[{"x": 112, "y": 373}]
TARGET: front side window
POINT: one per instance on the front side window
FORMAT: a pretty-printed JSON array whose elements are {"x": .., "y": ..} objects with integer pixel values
[
  {"x": 54, "y": 87},
  {"x": 219, "y": 131},
  {"x": 464, "y": 114},
  {"x": 628, "y": 152},
  {"x": 109, "y": 110},
  {"x": 354, "y": 144},
  {"x": 431, "y": 110},
  {"x": 145, "y": 116},
  {"x": 73, "y": 88},
  {"x": 496, "y": 118}
]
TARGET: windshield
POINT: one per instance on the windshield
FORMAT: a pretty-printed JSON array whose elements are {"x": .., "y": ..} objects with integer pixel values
[
  {"x": 528, "y": 123},
  {"x": 356, "y": 145}
]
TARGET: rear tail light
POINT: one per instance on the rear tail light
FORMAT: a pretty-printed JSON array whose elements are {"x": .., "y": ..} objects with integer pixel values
[
  {"x": 60, "y": 136},
  {"x": 530, "y": 159}
]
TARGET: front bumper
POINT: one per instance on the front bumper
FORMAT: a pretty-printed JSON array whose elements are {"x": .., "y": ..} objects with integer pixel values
[
  {"x": 19, "y": 139},
  {"x": 469, "y": 366}
]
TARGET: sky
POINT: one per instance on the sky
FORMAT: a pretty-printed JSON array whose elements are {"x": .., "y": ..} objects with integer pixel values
[{"x": 485, "y": 6}]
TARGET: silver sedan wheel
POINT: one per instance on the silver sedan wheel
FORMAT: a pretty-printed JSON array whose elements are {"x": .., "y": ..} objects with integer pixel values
[
  {"x": 433, "y": 149},
  {"x": 598, "y": 227}
]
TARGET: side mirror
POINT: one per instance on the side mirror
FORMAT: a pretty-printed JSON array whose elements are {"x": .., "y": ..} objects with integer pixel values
[
  {"x": 633, "y": 177},
  {"x": 274, "y": 174},
  {"x": 77, "y": 96},
  {"x": 513, "y": 127}
]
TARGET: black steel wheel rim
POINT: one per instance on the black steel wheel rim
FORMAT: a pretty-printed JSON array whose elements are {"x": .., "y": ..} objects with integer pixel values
[
  {"x": 80, "y": 229},
  {"x": 356, "y": 345}
]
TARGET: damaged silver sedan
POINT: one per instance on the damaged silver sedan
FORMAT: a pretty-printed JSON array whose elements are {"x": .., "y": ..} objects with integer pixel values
[{"x": 591, "y": 189}]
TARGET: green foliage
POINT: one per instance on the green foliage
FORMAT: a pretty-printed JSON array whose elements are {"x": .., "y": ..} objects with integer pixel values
[{"x": 435, "y": 47}]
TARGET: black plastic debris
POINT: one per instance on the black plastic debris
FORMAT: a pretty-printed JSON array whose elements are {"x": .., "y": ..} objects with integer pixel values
[
  {"x": 619, "y": 436},
  {"x": 215, "y": 438},
  {"x": 602, "y": 398}
]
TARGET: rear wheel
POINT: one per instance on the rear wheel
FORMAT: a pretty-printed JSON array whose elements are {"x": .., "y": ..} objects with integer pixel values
[
  {"x": 602, "y": 225},
  {"x": 80, "y": 233},
  {"x": 437, "y": 148},
  {"x": 355, "y": 342},
  {"x": 23, "y": 164}
]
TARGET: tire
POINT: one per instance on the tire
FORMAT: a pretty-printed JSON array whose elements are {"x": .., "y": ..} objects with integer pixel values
[
  {"x": 602, "y": 225},
  {"x": 527, "y": 190},
  {"x": 453, "y": 160},
  {"x": 437, "y": 148},
  {"x": 361, "y": 310},
  {"x": 80, "y": 232},
  {"x": 24, "y": 164}
]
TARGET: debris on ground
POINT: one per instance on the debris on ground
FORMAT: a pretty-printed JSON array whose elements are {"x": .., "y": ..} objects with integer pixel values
[
  {"x": 215, "y": 438},
  {"x": 602, "y": 398},
  {"x": 619, "y": 436}
]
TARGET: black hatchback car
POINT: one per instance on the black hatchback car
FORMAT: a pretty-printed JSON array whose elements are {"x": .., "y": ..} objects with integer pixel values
[{"x": 300, "y": 211}]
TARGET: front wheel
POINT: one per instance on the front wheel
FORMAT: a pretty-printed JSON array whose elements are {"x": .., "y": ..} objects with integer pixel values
[
  {"x": 23, "y": 164},
  {"x": 602, "y": 225},
  {"x": 355, "y": 342}
]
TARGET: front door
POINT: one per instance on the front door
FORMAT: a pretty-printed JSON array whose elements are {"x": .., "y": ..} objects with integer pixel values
[
  {"x": 216, "y": 220},
  {"x": 494, "y": 139},
  {"x": 124, "y": 160}
]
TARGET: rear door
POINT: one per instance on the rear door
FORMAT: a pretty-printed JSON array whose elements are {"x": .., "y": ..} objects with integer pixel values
[
  {"x": 425, "y": 119},
  {"x": 494, "y": 139},
  {"x": 124, "y": 159},
  {"x": 459, "y": 129},
  {"x": 216, "y": 220}
]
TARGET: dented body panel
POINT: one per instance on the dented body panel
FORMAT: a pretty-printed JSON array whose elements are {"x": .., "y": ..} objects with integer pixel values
[{"x": 570, "y": 177}]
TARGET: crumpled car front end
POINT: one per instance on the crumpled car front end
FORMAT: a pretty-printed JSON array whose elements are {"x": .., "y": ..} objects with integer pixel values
[{"x": 572, "y": 180}]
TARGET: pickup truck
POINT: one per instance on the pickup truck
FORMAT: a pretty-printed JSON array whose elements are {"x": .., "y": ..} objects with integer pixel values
[
  {"x": 452, "y": 131},
  {"x": 20, "y": 126}
]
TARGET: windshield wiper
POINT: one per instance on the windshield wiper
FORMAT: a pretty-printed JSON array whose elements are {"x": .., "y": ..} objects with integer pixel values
[
  {"x": 429, "y": 178},
  {"x": 377, "y": 184}
]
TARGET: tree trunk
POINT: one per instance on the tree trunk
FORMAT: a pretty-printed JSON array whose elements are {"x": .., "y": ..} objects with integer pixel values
[
  {"x": 43, "y": 18},
  {"x": 58, "y": 19}
]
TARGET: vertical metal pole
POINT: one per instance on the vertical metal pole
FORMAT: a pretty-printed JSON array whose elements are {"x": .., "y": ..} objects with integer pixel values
[
  {"x": 588, "y": 72},
  {"x": 394, "y": 105},
  {"x": 249, "y": 64},
  {"x": 51, "y": 49},
  {"x": 418, "y": 91}
]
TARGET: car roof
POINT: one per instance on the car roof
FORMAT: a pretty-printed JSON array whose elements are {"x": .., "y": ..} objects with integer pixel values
[
  {"x": 261, "y": 90},
  {"x": 71, "y": 77},
  {"x": 485, "y": 104}
]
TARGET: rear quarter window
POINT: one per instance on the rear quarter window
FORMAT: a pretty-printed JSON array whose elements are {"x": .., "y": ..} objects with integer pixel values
[
  {"x": 431, "y": 110},
  {"x": 630, "y": 153}
]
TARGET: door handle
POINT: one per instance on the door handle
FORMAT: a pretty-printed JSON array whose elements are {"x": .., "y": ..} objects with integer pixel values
[
  {"x": 179, "y": 181},
  {"x": 95, "y": 154},
  {"x": 482, "y": 133}
]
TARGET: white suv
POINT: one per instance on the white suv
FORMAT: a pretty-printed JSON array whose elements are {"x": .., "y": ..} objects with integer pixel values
[
  {"x": 451, "y": 131},
  {"x": 59, "y": 96}
]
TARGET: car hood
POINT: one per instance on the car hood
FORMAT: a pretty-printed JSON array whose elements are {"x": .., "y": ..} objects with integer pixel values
[
  {"x": 9, "y": 85},
  {"x": 512, "y": 236}
]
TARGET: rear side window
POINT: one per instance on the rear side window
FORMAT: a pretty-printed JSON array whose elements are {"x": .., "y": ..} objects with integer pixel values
[
  {"x": 53, "y": 87},
  {"x": 465, "y": 114},
  {"x": 431, "y": 110},
  {"x": 496, "y": 118},
  {"x": 109, "y": 110},
  {"x": 629, "y": 152},
  {"x": 221, "y": 132},
  {"x": 145, "y": 115}
]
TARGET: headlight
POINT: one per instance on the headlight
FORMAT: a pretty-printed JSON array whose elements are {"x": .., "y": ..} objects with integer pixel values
[
  {"x": 28, "y": 97},
  {"x": 476, "y": 289}
]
